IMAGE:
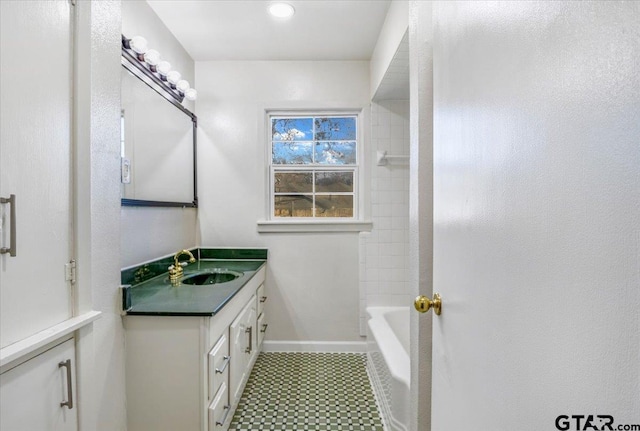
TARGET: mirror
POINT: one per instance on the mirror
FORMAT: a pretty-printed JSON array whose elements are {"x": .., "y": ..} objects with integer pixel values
[{"x": 158, "y": 142}]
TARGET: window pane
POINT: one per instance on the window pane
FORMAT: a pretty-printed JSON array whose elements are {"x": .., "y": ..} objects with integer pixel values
[
  {"x": 289, "y": 153},
  {"x": 334, "y": 182},
  {"x": 293, "y": 206},
  {"x": 331, "y": 128},
  {"x": 293, "y": 182},
  {"x": 292, "y": 129},
  {"x": 334, "y": 206},
  {"x": 336, "y": 153}
]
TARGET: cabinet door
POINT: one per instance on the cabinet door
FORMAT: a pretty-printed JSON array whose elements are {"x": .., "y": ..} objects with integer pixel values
[
  {"x": 31, "y": 393},
  {"x": 243, "y": 343},
  {"x": 35, "y": 164},
  {"x": 238, "y": 347}
]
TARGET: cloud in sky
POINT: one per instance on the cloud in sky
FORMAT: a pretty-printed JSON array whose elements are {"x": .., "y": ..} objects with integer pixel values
[{"x": 290, "y": 135}]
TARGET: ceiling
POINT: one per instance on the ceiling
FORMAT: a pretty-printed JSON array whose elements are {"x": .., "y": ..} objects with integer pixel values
[{"x": 244, "y": 30}]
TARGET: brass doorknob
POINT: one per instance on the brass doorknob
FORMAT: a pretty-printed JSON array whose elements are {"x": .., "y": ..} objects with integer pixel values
[{"x": 424, "y": 304}]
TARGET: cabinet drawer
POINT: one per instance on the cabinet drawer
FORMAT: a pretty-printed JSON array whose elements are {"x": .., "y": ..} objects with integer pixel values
[
  {"x": 218, "y": 365},
  {"x": 219, "y": 409},
  {"x": 262, "y": 329},
  {"x": 262, "y": 298}
]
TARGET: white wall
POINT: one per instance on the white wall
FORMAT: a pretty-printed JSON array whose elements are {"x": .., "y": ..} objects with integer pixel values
[
  {"x": 537, "y": 213},
  {"x": 147, "y": 233},
  {"x": 312, "y": 279},
  {"x": 100, "y": 347},
  {"x": 384, "y": 257},
  {"x": 393, "y": 30}
]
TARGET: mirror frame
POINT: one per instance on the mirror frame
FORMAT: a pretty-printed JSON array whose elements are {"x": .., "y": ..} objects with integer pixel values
[{"x": 133, "y": 65}]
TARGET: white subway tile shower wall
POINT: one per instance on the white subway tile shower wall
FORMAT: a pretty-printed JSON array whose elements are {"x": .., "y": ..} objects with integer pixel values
[{"x": 384, "y": 252}]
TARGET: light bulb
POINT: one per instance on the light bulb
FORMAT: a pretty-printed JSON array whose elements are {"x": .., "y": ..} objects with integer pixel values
[
  {"x": 173, "y": 77},
  {"x": 281, "y": 10},
  {"x": 163, "y": 68},
  {"x": 152, "y": 57},
  {"x": 138, "y": 44},
  {"x": 191, "y": 94},
  {"x": 182, "y": 85}
]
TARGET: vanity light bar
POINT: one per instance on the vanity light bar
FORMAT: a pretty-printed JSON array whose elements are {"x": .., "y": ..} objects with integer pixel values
[{"x": 150, "y": 62}]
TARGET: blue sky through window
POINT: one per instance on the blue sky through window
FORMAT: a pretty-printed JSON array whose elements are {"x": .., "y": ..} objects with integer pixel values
[
  {"x": 292, "y": 153},
  {"x": 292, "y": 129},
  {"x": 309, "y": 140},
  {"x": 335, "y": 128},
  {"x": 336, "y": 153}
]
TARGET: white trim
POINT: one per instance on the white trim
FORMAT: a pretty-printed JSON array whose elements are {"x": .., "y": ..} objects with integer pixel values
[
  {"x": 315, "y": 346},
  {"x": 24, "y": 347},
  {"x": 273, "y": 226}
]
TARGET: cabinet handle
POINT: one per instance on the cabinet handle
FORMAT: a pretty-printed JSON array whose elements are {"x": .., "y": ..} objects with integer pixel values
[
  {"x": 264, "y": 327},
  {"x": 224, "y": 365},
  {"x": 67, "y": 364},
  {"x": 11, "y": 200},
  {"x": 224, "y": 418},
  {"x": 263, "y": 298},
  {"x": 249, "y": 331}
]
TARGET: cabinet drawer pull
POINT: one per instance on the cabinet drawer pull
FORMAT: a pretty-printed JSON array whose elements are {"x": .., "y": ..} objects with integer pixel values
[
  {"x": 225, "y": 364},
  {"x": 224, "y": 418},
  {"x": 11, "y": 200},
  {"x": 67, "y": 364},
  {"x": 264, "y": 327},
  {"x": 263, "y": 298},
  {"x": 249, "y": 331}
]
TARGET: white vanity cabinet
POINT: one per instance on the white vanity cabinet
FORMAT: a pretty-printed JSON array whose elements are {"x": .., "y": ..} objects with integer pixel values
[
  {"x": 38, "y": 394},
  {"x": 187, "y": 372}
]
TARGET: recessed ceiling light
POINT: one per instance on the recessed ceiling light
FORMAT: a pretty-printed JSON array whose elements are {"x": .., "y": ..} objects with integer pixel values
[{"x": 281, "y": 10}]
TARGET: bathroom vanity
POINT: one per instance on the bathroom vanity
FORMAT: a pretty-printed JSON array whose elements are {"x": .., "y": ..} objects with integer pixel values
[{"x": 191, "y": 344}]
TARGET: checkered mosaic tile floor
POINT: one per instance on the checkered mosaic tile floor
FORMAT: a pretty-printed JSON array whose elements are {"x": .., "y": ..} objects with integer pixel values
[{"x": 308, "y": 391}]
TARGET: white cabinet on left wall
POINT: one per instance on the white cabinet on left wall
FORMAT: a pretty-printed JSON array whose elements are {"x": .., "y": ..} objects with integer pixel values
[
  {"x": 38, "y": 394},
  {"x": 37, "y": 253},
  {"x": 35, "y": 166}
]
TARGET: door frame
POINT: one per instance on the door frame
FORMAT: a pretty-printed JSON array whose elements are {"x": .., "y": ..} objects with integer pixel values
[{"x": 421, "y": 207}]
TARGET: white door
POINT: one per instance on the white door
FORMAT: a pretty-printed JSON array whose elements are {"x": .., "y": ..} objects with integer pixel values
[
  {"x": 35, "y": 164},
  {"x": 238, "y": 351},
  {"x": 32, "y": 393},
  {"x": 536, "y": 215}
]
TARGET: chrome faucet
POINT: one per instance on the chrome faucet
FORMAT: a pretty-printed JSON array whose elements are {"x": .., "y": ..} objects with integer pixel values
[{"x": 175, "y": 270}]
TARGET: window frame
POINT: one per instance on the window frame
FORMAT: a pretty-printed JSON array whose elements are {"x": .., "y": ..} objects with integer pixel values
[{"x": 355, "y": 168}]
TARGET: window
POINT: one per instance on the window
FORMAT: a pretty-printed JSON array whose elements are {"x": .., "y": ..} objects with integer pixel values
[{"x": 314, "y": 166}]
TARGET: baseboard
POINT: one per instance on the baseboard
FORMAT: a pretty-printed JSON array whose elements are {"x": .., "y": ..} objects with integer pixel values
[{"x": 315, "y": 346}]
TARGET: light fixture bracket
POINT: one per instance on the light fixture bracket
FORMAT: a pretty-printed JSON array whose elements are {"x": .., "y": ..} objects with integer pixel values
[{"x": 143, "y": 67}]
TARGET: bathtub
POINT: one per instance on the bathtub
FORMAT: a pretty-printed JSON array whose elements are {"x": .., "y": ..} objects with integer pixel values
[{"x": 388, "y": 363}]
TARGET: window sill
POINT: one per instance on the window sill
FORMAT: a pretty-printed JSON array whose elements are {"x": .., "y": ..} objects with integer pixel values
[{"x": 274, "y": 226}]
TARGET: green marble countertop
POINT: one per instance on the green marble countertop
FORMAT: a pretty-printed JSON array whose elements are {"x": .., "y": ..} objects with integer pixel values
[{"x": 156, "y": 296}]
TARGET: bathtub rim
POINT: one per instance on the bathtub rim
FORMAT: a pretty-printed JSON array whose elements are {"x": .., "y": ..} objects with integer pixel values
[{"x": 399, "y": 364}]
